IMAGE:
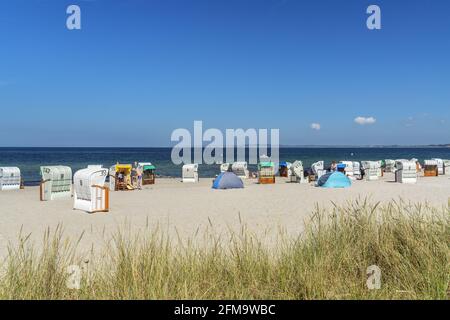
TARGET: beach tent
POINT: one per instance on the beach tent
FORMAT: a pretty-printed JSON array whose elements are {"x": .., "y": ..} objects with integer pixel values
[
  {"x": 266, "y": 172},
  {"x": 440, "y": 165},
  {"x": 190, "y": 172},
  {"x": 120, "y": 177},
  {"x": 90, "y": 193},
  {"x": 431, "y": 168},
  {"x": 406, "y": 171},
  {"x": 228, "y": 180},
  {"x": 224, "y": 167},
  {"x": 371, "y": 170},
  {"x": 56, "y": 183},
  {"x": 10, "y": 178},
  {"x": 148, "y": 172},
  {"x": 334, "y": 180},
  {"x": 296, "y": 172},
  {"x": 240, "y": 169}
]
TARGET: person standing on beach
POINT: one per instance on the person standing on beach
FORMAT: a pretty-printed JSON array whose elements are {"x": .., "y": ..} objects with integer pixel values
[{"x": 139, "y": 177}]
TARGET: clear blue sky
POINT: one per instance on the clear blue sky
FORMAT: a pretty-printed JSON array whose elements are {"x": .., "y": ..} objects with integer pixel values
[{"x": 139, "y": 69}]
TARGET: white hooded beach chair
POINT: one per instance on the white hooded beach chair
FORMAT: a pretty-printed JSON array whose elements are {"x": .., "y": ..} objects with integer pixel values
[
  {"x": 440, "y": 165},
  {"x": 447, "y": 167},
  {"x": 371, "y": 170},
  {"x": 406, "y": 171},
  {"x": 389, "y": 165},
  {"x": 357, "y": 169},
  {"x": 56, "y": 183},
  {"x": 348, "y": 170},
  {"x": 318, "y": 168},
  {"x": 190, "y": 173},
  {"x": 380, "y": 170},
  {"x": 296, "y": 172},
  {"x": 240, "y": 169},
  {"x": 90, "y": 193},
  {"x": 10, "y": 178}
]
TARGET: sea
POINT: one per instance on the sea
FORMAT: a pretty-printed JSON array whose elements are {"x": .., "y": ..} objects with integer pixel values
[{"x": 29, "y": 160}]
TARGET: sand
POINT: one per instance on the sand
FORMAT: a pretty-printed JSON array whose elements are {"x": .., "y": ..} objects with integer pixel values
[{"x": 186, "y": 210}]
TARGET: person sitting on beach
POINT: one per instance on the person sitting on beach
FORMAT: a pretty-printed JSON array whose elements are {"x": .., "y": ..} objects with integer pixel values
[{"x": 333, "y": 166}]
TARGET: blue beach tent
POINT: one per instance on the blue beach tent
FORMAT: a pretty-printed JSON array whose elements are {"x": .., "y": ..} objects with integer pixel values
[
  {"x": 228, "y": 180},
  {"x": 334, "y": 180}
]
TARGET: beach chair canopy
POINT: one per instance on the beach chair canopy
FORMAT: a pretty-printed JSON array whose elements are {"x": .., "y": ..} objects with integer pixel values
[
  {"x": 124, "y": 168},
  {"x": 370, "y": 164},
  {"x": 318, "y": 166},
  {"x": 406, "y": 165},
  {"x": 190, "y": 168},
  {"x": 95, "y": 166},
  {"x": 334, "y": 180},
  {"x": 228, "y": 180},
  {"x": 297, "y": 169},
  {"x": 431, "y": 163},
  {"x": 62, "y": 175},
  {"x": 146, "y": 166},
  {"x": 266, "y": 164}
]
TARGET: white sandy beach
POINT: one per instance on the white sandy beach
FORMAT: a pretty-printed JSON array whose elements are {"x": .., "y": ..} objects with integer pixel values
[{"x": 187, "y": 210}]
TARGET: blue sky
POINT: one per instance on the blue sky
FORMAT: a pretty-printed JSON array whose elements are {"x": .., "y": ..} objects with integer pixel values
[{"x": 137, "y": 70}]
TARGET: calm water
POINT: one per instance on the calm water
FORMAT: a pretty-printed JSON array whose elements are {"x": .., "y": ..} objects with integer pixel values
[{"x": 29, "y": 159}]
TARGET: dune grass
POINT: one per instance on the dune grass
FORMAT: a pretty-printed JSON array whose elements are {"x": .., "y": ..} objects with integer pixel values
[{"x": 410, "y": 243}]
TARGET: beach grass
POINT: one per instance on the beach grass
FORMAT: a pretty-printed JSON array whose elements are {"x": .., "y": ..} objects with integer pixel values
[{"x": 328, "y": 260}]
